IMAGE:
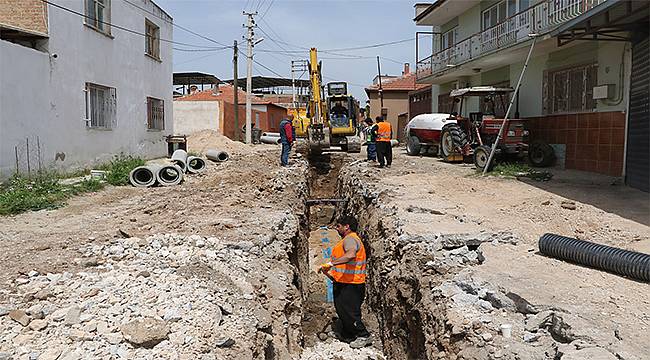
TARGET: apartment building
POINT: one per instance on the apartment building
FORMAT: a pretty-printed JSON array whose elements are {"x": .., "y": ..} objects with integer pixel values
[
  {"x": 576, "y": 89},
  {"x": 81, "y": 81}
]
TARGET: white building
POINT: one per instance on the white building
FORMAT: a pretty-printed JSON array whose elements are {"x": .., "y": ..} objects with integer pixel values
[
  {"x": 576, "y": 89},
  {"x": 75, "y": 89}
]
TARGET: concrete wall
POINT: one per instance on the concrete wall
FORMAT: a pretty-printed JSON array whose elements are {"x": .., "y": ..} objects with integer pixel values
[
  {"x": 396, "y": 102},
  {"x": 56, "y": 84},
  {"x": 193, "y": 116}
]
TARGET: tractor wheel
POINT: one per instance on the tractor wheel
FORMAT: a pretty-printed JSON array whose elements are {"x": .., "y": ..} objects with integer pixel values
[
  {"x": 452, "y": 138},
  {"x": 540, "y": 154},
  {"x": 481, "y": 156},
  {"x": 413, "y": 146}
]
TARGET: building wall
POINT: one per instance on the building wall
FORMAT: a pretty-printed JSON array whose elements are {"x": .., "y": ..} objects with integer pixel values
[
  {"x": 228, "y": 120},
  {"x": 30, "y": 15},
  {"x": 193, "y": 116},
  {"x": 396, "y": 102},
  {"x": 85, "y": 55}
]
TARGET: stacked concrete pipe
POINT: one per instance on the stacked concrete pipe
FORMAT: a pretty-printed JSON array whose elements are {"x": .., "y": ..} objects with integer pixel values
[
  {"x": 217, "y": 155},
  {"x": 195, "y": 164},
  {"x": 179, "y": 157},
  {"x": 144, "y": 176},
  {"x": 169, "y": 175},
  {"x": 270, "y": 139}
]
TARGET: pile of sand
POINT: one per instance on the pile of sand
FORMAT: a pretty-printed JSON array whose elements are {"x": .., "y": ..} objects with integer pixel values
[{"x": 204, "y": 140}]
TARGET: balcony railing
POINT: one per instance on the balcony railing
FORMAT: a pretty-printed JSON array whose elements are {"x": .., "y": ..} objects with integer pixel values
[{"x": 538, "y": 19}]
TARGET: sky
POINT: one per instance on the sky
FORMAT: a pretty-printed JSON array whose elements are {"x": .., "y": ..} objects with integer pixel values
[{"x": 325, "y": 24}]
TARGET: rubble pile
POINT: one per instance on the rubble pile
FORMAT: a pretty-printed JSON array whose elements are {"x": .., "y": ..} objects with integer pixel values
[{"x": 159, "y": 297}]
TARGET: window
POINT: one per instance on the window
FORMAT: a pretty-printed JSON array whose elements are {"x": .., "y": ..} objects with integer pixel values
[
  {"x": 499, "y": 12},
  {"x": 449, "y": 38},
  {"x": 155, "y": 114},
  {"x": 152, "y": 40},
  {"x": 98, "y": 15},
  {"x": 570, "y": 89},
  {"x": 101, "y": 106}
]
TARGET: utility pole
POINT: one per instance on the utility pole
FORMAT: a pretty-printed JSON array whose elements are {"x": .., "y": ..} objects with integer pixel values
[
  {"x": 381, "y": 91},
  {"x": 293, "y": 86},
  {"x": 296, "y": 65},
  {"x": 235, "y": 54},
  {"x": 250, "y": 24}
]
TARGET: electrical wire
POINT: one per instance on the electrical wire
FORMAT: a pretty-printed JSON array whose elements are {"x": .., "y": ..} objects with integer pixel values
[
  {"x": 176, "y": 25},
  {"x": 269, "y": 69},
  {"x": 117, "y": 26},
  {"x": 267, "y": 9}
]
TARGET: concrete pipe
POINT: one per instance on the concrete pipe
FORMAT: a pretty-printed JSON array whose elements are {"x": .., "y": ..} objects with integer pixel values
[
  {"x": 271, "y": 134},
  {"x": 179, "y": 157},
  {"x": 394, "y": 143},
  {"x": 217, "y": 155},
  {"x": 143, "y": 176},
  {"x": 169, "y": 175},
  {"x": 195, "y": 164},
  {"x": 270, "y": 140}
]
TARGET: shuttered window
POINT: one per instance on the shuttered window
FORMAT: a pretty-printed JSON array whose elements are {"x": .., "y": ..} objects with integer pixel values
[
  {"x": 570, "y": 90},
  {"x": 155, "y": 114},
  {"x": 101, "y": 106}
]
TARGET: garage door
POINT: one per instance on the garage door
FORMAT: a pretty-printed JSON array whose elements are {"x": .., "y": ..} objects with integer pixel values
[{"x": 637, "y": 168}]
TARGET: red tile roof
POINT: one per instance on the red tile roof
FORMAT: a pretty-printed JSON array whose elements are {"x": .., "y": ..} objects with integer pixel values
[{"x": 404, "y": 83}]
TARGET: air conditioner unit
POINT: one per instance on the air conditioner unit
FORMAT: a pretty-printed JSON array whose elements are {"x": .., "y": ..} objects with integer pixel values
[{"x": 605, "y": 91}]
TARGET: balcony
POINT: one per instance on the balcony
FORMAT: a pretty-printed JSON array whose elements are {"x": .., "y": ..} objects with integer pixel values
[{"x": 539, "y": 19}]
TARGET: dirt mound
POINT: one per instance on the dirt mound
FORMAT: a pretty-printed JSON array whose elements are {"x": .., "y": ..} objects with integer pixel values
[{"x": 204, "y": 140}]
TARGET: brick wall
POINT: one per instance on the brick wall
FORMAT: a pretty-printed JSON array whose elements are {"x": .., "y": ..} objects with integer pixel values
[
  {"x": 24, "y": 14},
  {"x": 595, "y": 142},
  {"x": 228, "y": 123}
]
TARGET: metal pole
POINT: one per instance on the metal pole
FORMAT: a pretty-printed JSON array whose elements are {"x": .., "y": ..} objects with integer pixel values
[
  {"x": 249, "y": 75},
  {"x": 29, "y": 169},
  {"x": 235, "y": 54},
  {"x": 38, "y": 146},
  {"x": 293, "y": 85},
  {"x": 16, "y": 151},
  {"x": 512, "y": 100},
  {"x": 381, "y": 94}
]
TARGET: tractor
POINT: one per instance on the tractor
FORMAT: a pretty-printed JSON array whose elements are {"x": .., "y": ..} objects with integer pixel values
[{"x": 475, "y": 136}]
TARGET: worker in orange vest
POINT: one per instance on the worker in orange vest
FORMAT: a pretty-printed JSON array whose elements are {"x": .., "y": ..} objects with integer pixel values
[
  {"x": 383, "y": 132},
  {"x": 347, "y": 270}
]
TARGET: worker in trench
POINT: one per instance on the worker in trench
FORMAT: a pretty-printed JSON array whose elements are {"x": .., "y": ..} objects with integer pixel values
[
  {"x": 286, "y": 138},
  {"x": 347, "y": 270}
]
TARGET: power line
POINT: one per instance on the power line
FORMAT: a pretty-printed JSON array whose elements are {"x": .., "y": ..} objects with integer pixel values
[
  {"x": 117, "y": 26},
  {"x": 203, "y": 50},
  {"x": 174, "y": 24},
  {"x": 269, "y": 69},
  {"x": 267, "y": 9}
]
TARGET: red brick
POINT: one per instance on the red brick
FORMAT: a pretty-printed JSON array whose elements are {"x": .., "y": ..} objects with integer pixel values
[
  {"x": 618, "y": 120},
  {"x": 616, "y": 168},
  {"x": 593, "y": 121},
  {"x": 581, "y": 165},
  {"x": 571, "y": 137},
  {"x": 24, "y": 14},
  {"x": 592, "y": 136},
  {"x": 561, "y": 136},
  {"x": 591, "y": 165},
  {"x": 552, "y": 136},
  {"x": 570, "y": 151},
  {"x": 603, "y": 167},
  {"x": 617, "y": 153},
  {"x": 605, "y": 120},
  {"x": 569, "y": 163},
  {"x": 582, "y": 121},
  {"x": 582, "y": 136},
  {"x": 562, "y": 122},
  {"x": 618, "y": 136},
  {"x": 572, "y": 121},
  {"x": 605, "y": 137},
  {"x": 603, "y": 152}
]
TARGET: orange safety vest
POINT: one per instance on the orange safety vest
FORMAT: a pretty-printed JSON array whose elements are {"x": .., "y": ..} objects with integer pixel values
[
  {"x": 383, "y": 131},
  {"x": 354, "y": 271}
]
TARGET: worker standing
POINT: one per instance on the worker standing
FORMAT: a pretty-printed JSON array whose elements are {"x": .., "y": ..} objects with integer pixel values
[
  {"x": 371, "y": 148},
  {"x": 286, "y": 138},
  {"x": 347, "y": 270},
  {"x": 383, "y": 132}
]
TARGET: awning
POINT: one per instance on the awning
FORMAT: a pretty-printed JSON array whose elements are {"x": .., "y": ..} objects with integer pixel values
[
  {"x": 609, "y": 21},
  {"x": 194, "y": 78},
  {"x": 264, "y": 82},
  {"x": 480, "y": 91}
]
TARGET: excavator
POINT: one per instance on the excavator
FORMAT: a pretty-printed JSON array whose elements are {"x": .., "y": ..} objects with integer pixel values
[{"x": 330, "y": 120}]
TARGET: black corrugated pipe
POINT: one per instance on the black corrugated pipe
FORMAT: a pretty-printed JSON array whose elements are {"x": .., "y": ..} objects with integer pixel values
[{"x": 623, "y": 262}]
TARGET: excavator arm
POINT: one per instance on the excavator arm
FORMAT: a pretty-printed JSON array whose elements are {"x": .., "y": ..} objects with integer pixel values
[{"x": 318, "y": 133}]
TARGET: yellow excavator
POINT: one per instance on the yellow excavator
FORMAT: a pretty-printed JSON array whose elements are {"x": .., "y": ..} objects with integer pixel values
[{"x": 332, "y": 120}]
